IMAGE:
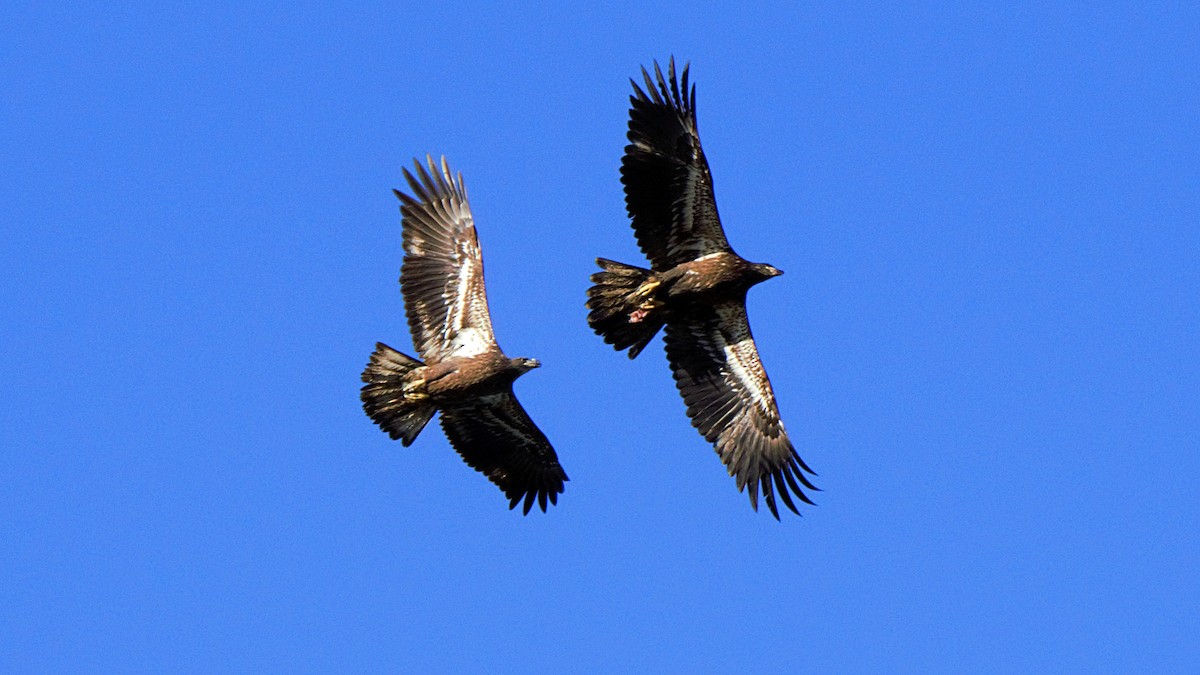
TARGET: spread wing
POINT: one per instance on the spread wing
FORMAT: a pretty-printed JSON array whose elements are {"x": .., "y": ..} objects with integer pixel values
[
  {"x": 442, "y": 274},
  {"x": 729, "y": 399},
  {"x": 668, "y": 187},
  {"x": 496, "y": 437}
]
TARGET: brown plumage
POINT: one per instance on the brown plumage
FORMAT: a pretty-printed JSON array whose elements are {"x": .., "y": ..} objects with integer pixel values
[
  {"x": 464, "y": 375},
  {"x": 696, "y": 288}
]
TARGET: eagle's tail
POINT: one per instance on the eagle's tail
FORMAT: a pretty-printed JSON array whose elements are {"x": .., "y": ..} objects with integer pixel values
[
  {"x": 392, "y": 397},
  {"x": 624, "y": 311}
]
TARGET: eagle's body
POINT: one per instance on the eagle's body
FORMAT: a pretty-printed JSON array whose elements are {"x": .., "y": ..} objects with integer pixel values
[
  {"x": 464, "y": 375},
  {"x": 713, "y": 278},
  {"x": 695, "y": 290}
]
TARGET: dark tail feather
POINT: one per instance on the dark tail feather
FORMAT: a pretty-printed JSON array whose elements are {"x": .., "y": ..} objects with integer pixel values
[
  {"x": 613, "y": 299},
  {"x": 401, "y": 414}
]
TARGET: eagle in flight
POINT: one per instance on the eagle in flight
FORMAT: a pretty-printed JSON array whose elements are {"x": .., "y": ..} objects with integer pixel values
[
  {"x": 464, "y": 374},
  {"x": 696, "y": 289}
]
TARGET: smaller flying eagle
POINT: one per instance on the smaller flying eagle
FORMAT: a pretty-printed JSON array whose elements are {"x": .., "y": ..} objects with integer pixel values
[
  {"x": 696, "y": 289},
  {"x": 464, "y": 375}
]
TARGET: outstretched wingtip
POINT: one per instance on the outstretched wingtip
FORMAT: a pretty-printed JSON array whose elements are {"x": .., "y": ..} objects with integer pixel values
[{"x": 668, "y": 88}]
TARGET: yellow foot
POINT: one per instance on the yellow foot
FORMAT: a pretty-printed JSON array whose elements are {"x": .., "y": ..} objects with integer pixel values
[
  {"x": 412, "y": 390},
  {"x": 646, "y": 289}
]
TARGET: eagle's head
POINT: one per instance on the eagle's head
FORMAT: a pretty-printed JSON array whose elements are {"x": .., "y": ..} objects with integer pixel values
[
  {"x": 524, "y": 365},
  {"x": 766, "y": 271}
]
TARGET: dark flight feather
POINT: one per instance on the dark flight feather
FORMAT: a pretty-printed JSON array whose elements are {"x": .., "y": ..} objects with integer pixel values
[{"x": 496, "y": 437}]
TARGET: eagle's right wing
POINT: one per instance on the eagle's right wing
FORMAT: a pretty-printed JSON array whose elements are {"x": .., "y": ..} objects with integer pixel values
[
  {"x": 496, "y": 437},
  {"x": 729, "y": 399}
]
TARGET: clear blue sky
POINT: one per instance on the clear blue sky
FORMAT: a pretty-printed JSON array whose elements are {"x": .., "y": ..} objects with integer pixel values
[{"x": 985, "y": 341}]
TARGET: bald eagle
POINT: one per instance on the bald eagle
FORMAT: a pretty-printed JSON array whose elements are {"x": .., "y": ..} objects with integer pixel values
[
  {"x": 464, "y": 374},
  {"x": 696, "y": 288}
]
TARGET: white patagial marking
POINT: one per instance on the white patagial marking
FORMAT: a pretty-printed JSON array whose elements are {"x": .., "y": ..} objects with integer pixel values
[
  {"x": 468, "y": 342},
  {"x": 462, "y": 289},
  {"x": 462, "y": 337},
  {"x": 754, "y": 386},
  {"x": 734, "y": 362}
]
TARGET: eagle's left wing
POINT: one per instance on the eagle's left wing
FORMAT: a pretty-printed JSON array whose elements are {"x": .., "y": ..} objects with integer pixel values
[
  {"x": 730, "y": 401},
  {"x": 496, "y": 437},
  {"x": 442, "y": 274},
  {"x": 668, "y": 186}
]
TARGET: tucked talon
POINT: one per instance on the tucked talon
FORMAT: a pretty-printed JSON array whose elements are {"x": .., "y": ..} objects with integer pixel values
[{"x": 646, "y": 289}]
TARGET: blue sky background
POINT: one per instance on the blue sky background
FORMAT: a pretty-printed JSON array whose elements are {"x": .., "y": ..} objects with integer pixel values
[{"x": 985, "y": 341}]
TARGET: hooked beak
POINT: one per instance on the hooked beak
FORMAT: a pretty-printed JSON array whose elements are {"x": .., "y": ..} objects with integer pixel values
[{"x": 533, "y": 363}]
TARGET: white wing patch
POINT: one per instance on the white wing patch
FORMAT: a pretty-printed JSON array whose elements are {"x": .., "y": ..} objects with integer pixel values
[
  {"x": 758, "y": 389},
  {"x": 468, "y": 326},
  {"x": 468, "y": 342},
  {"x": 744, "y": 364}
]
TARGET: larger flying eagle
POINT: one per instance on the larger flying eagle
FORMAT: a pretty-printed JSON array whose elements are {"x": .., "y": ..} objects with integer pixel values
[
  {"x": 465, "y": 375},
  {"x": 696, "y": 288}
]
